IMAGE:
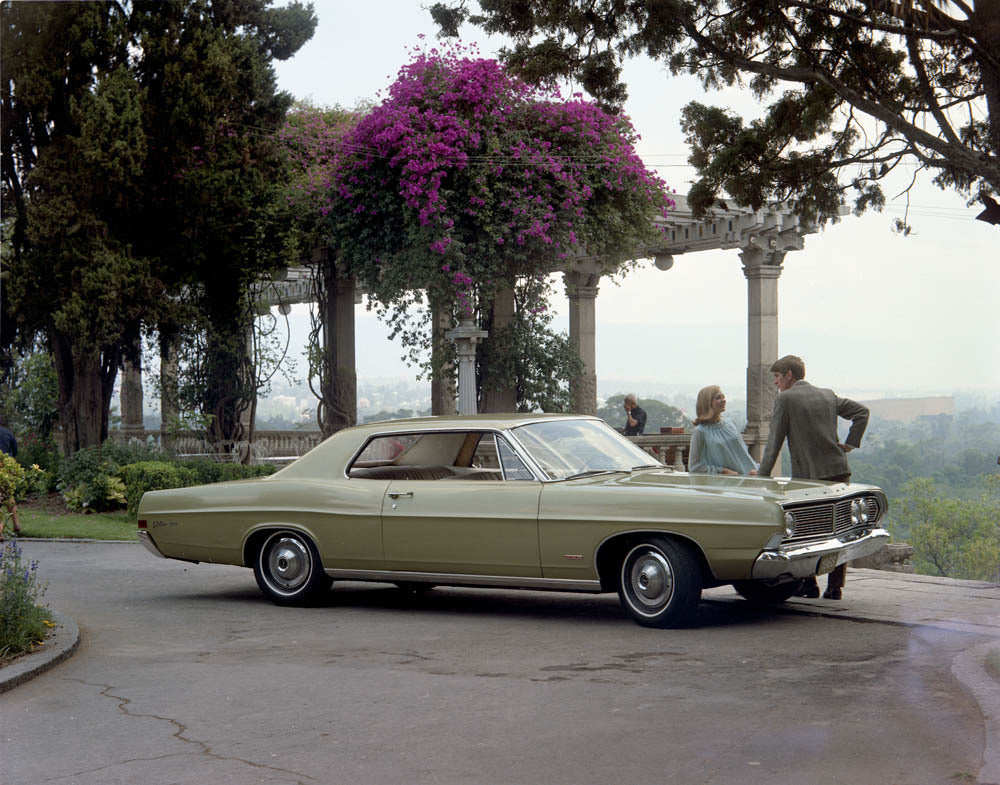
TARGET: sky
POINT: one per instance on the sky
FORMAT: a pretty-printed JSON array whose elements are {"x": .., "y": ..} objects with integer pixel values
[{"x": 872, "y": 313}]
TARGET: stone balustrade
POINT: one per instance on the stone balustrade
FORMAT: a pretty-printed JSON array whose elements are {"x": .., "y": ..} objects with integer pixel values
[
  {"x": 277, "y": 446},
  {"x": 670, "y": 449}
]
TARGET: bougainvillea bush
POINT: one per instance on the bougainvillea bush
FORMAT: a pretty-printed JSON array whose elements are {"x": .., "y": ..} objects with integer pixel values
[{"x": 465, "y": 179}]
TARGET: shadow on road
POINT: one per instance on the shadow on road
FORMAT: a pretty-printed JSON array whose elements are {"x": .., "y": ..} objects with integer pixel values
[{"x": 450, "y": 601}]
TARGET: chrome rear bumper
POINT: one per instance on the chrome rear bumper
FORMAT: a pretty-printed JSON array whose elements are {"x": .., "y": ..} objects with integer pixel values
[
  {"x": 803, "y": 561},
  {"x": 146, "y": 540}
]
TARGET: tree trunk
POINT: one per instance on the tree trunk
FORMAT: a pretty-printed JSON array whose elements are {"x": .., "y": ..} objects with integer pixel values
[
  {"x": 339, "y": 382},
  {"x": 86, "y": 386}
]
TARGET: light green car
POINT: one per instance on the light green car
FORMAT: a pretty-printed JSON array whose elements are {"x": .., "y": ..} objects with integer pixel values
[{"x": 555, "y": 502}]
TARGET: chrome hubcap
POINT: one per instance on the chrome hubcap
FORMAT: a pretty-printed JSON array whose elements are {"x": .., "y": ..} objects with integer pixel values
[
  {"x": 288, "y": 563},
  {"x": 651, "y": 579}
]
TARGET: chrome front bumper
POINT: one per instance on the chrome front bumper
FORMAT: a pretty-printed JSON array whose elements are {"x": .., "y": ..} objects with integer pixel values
[
  {"x": 146, "y": 540},
  {"x": 803, "y": 561}
]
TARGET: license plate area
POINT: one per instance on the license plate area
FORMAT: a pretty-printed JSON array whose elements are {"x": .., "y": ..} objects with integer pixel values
[{"x": 827, "y": 563}]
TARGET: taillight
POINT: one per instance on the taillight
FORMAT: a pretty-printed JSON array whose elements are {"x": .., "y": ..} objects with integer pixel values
[{"x": 142, "y": 524}]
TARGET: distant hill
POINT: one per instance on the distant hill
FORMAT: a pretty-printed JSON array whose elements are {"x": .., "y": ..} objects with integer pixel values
[{"x": 907, "y": 410}]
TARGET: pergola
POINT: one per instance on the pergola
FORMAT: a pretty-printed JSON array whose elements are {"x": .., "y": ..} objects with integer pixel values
[{"x": 762, "y": 237}]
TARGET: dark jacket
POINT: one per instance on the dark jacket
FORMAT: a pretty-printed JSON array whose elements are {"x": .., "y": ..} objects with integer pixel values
[
  {"x": 639, "y": 415},
  {"x": 8, "y": 443}
]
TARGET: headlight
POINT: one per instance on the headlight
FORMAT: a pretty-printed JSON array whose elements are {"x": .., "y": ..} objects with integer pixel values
[
  {"x": 789, "y": 524},
  {"x": 859, "y": 512}
]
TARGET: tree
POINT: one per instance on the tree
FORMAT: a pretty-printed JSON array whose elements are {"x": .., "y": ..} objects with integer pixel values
[
  {"x": 466, "y": 181},
  {"x": 870, "y": 85},
  {"x": 142, "y": 178},
  {"x": 952, "y": 537}
]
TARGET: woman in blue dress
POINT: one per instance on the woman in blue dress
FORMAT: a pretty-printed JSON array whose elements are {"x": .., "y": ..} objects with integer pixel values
[{"x": 716, "y": 446}]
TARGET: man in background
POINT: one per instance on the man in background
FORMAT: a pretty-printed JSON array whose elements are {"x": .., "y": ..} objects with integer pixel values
[
  {"x": 807, "y": 417},
  {"x": 635, "y": 417}
]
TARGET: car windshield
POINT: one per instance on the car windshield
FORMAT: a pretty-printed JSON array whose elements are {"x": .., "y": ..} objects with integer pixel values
[{"x": 568, "y": 448}]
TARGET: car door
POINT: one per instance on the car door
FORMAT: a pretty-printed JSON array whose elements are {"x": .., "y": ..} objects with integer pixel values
[{"x": 464, "y": 525}]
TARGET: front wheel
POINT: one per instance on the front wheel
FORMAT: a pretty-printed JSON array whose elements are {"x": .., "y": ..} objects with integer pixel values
[
  {"x": 660, "y": 583},
  {"x": 289, "y": 571},
  {"x": 762, "y": 594}
]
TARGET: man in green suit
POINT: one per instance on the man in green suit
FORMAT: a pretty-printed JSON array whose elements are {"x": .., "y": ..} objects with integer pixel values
[{"x": 807, "y": 417}]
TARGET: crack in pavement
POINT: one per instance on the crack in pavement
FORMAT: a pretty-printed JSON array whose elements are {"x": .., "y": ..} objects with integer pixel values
[{"x": 179, "y": 734}]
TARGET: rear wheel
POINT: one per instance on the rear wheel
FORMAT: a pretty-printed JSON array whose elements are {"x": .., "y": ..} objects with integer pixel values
[
  {"x": 760, "y": 593},
  {"x": 659, "y": 583},
  {"x": 289, "y": 571}
]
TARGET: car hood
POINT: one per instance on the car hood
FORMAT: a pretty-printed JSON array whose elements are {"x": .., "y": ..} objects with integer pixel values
[{"x": 782, "y": 490}]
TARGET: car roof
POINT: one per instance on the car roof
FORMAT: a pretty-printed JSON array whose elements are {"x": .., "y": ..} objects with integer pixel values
[
  {"x": 498, "y": 421},
  {"x": 332, "y": 454}
]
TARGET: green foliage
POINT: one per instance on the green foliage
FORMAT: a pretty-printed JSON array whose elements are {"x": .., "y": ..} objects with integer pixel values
[
  {"x": 658, "y": 414},
  {"x": 29, "y": 398},
  {"x": 828, "y": 127},
  {"x": 155, "y": 193},
  {"x": 153, "y": 476},
  {"x": 11, "y": 480},
  {"x": 88, "y": 479},
  {"x": 955, "y": 452},
  {"x": 24, "y": 622},
  {"x": 526, "y": 355},
  {"x": 951, "y": 537},
  {"x": 33, "y": 450}
]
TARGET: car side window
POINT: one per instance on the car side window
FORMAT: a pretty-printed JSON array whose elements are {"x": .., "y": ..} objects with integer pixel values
[
  {"x": 513, "y": 467},
  {"x": 485, "y": 456}
]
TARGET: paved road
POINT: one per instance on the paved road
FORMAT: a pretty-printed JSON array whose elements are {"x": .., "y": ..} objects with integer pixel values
[{"x": 186, "y": 675}]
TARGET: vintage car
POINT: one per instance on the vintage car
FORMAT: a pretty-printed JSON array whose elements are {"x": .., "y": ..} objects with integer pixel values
[{"x": 557, "y": 502}]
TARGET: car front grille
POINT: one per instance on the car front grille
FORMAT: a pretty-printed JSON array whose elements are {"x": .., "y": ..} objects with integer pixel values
[{"x": 817, "y": 521}]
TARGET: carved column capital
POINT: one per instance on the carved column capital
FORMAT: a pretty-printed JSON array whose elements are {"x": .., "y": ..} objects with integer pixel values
[{"x": 758, "y": 263}]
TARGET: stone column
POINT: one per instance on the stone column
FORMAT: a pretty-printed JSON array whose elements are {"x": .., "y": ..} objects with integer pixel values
[
  {"x": 501, "y": 399},
  {"x": 131, "y": 398},
  {"x": 762, "y": 270},
  {"x": 169, "y": 409},
  {"x": 466, "y": 336},
  {"x": 443, "y": 392},
  {"x": 581, "y": 289}
]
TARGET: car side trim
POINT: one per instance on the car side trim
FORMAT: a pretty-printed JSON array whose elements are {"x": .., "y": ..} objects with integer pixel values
[
  {"x": 458, "y": 579},
  {"x": 147, "y": 541}
]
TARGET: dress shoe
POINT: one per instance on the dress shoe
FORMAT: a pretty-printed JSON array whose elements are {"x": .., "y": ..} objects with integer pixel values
[
  {"x": 832, "y": 594},
  {"x": 808, "y": 589}
]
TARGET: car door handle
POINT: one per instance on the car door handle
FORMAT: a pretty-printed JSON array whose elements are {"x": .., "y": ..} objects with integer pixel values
[{"x": 400, "y": 495}]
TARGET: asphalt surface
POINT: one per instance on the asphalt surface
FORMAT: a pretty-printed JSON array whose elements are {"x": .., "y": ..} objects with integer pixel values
[{"x": 185, "y": 674}]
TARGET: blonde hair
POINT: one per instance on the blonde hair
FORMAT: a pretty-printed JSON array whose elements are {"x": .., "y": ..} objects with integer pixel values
[{"x": 703, "y": 404}]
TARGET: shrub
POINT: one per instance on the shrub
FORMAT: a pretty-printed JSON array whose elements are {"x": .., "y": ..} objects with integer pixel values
[
  {"x": 88, "y": 483},
  {"x": 11, "y": 481},
  {"x": 23, "y": 622},
  {"x": 239, "y": 471},
  {"x": 122, "y": 453},
  {"x": 152, "y": 476},
  {"x": 35, "y": 450}
]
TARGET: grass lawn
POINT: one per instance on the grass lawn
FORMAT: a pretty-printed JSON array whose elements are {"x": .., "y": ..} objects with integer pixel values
[{"x": 50, "y": 518}]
